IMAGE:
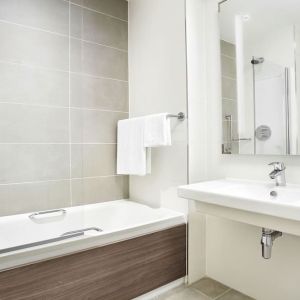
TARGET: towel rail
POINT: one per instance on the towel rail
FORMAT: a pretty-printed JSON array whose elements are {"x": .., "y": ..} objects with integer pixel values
[{"x": 180, "y": 116}]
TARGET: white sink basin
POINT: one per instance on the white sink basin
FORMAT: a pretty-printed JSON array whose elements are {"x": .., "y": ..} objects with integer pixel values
[{"x": 247, "y": 195}]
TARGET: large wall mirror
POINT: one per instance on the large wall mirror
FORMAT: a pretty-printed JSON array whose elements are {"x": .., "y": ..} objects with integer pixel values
[{"x": 260, "y": 55}]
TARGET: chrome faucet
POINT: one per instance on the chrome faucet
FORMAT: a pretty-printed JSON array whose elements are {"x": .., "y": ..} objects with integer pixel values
[{"x": 278, "y": 173}]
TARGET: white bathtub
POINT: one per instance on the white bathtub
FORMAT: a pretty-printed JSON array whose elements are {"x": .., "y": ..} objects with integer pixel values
[{"x": 119, "y": 220}]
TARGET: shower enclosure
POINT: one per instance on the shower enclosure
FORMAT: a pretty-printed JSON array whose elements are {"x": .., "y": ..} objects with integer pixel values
[
  {"x": 260, "y": 79},
  {"x": 271, "y": 108}
]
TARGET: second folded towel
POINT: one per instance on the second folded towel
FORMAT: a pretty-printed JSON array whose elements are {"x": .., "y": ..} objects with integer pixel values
[{"x": 136, "y": 137}]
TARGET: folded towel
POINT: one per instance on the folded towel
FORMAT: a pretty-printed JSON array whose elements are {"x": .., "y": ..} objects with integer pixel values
[
  {"x": 132, "y": 158},
  {"x": 136, "y": 136},
  {"x": 157, "y": 130}
]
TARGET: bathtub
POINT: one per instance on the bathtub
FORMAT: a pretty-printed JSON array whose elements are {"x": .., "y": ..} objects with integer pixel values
[{"x": 33, "y": 237}]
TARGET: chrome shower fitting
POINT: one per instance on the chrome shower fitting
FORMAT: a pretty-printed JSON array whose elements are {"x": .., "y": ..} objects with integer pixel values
[{"x": 267, "y": 238}]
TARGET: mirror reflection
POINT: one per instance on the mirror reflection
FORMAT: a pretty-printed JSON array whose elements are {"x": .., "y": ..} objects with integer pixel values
[{"x": 259, "y": 42}]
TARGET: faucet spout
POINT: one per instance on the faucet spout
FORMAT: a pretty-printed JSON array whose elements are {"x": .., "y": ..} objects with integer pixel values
[{"x": 278, "y": 173}]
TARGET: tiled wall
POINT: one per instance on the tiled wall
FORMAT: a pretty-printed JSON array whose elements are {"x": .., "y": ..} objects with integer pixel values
[
  {"x": 63, "y": 87},
  {"x": 229, "y": 95}
]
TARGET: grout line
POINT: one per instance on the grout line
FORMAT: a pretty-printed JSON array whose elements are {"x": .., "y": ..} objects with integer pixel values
[
  {"x": 229, "y": 99},
  {"x": 63, "y": 107},
  {"x": 59, "y": 70},
  {"x": 98, "y": 44},
  {"x": 200, "y": 292},
  {"x": 95, "y": 177},
  {"x": 228, "y": 77},
  {"x": 99, "y": 77},
  {"x": 41, "y": 143},
  {"x": 99, "y": 12},
  {"x": 69, "y": 117},
  {"x": 61, "y": 34},
  {"x": 33, "y": 28},
  {"x": 59, "y": 180},
  {"x": 228, "y": 56},
  {"x": 227, "y": 291}
]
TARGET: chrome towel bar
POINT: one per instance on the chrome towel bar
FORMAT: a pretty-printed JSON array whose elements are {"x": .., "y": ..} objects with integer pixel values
[
  {"x": 45, "y": 212},
  {"x": 180, "y": 116}
]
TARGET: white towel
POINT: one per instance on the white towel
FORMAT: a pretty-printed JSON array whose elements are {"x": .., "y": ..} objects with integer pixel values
[
  {"x": 136, "y": 136},
  {"x": 132, "y": 158},
  {"x": 157, "y": 130}
]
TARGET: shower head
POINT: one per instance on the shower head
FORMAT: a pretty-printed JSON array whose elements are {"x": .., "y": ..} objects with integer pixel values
[{"x": 257, "y": 60}]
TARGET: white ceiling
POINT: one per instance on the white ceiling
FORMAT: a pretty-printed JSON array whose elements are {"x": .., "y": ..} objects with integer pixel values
[{"x": 265, "y": 16}]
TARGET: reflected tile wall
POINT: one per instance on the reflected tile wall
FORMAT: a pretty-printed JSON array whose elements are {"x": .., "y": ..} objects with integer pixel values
[
  {"x": 63, "y": 87},
  {"x": 229, "y": 95}
]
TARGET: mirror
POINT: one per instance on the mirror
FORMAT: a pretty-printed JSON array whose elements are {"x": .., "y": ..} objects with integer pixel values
[{"x": 260, "y": 58}]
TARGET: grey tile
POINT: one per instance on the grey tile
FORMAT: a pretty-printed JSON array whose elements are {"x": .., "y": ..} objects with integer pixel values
[
  {"x": 210, "y": 287},
  {"x": 229, "y": 107},
  {"x": 92, "y": 26},
  {"x": 227, "y": 49},
  {"x": 116, "y": 8},
  {"x": 183, "y": 294},
  {"x": 52, "y": 15},
  {"x": 92, "y": 92},
  {"x": 102, "y": 189},
  {"x": 33, "y": 86},
  {"x": 229, "y": 88},
  {"x": 228, "y": 67},
  {"x": 92, "y": 126},
  {"x": 33, "y": 124},
  {"x": 98, "y": 60},
  {"x": 234, "y": 295},
  {"x": 93, "y": 160},
  {"x": 27, "y": 163},
  {"x": 28, "y": 197},
  {"x": 34, "y": 47}
]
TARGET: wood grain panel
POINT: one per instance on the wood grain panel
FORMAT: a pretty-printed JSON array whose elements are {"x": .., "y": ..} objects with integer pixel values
[{"x": 120, "y": 271}]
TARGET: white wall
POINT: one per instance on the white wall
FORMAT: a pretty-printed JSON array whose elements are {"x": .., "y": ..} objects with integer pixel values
[
  {"x": 233, "y": 249},
  {"x": 157, "y": 83}
]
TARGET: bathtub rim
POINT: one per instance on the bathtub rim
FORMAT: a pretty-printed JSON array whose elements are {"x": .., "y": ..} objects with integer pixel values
[{"x": 33, "y": 255}]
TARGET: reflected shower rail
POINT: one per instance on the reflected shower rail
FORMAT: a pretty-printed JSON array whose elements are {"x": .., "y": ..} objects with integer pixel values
[{"x": 64, "y": 236}]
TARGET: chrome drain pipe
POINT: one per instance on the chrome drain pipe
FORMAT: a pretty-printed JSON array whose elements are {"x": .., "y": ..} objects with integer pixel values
[{"x": 267, "y": 238}]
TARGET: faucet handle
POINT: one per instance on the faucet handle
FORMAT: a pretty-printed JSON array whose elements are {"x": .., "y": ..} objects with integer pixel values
[{"x": 277, "y": 165}]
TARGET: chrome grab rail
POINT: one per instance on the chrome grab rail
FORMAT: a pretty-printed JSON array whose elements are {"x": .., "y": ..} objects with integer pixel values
[
  {"x": 81, "y": 231},
  {"x": 64, "y": 236},
  {"x": 32, "y": 216},
  {"x": 40, "y": 243}
]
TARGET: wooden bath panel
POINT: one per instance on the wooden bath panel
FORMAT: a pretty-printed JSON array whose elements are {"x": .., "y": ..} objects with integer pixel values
[{"x": 119, "y": 271}]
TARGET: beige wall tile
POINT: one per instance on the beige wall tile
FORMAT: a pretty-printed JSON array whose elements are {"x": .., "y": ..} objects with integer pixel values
[
  {"x": 116, "y": 8},
  {"x": 227, "y": 49},
  {"x": 27, "y": 163},
  {"x": 228, "y": 66},
  {"x": 33, "y": 124},
  {"x": 98, "y": 60},
  {"x": 93, "y": 190},
  {"x": 34, "y": 47},
  {"x": 92, "y": 26},
  {"x": 93, "y": 160},
  {"x": 229, "y": 89},
  {"x": 33, "y": 86},
  {"x": 23, "y": 198},
  {"x": 91, "y": 126},
  {"x": 92, "y": 92},
  {"x": 52, "y": 15}
]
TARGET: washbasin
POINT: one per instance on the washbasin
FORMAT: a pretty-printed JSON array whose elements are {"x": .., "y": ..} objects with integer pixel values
[{"x": 259, "y": 197}]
